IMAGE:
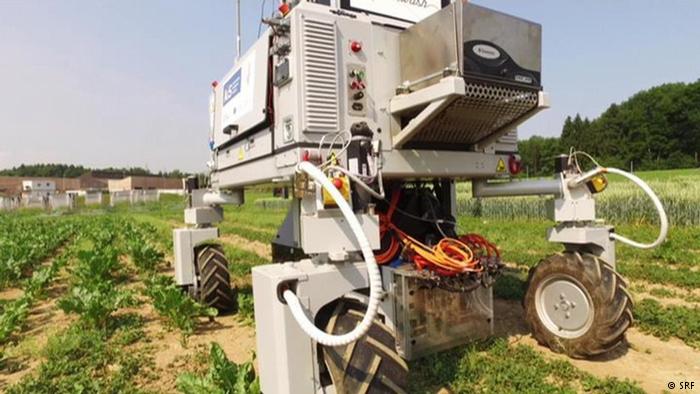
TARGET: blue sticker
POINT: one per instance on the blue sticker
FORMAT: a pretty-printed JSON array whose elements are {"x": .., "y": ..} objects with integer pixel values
[{"x": 232, "y": 87}]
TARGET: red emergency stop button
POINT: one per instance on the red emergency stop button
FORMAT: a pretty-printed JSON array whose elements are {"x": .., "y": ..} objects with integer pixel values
[
  {"x": 284, "y": 9},
  {"x": 338, "y": 183},
  {"x": 356, "y": 46}
]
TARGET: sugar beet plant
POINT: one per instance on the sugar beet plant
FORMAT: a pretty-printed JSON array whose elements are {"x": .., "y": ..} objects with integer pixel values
[
  {"x": 94, "y": 295},
  {"x": 26, "y": 241},
  {"x": 224, "y": 377},
  {"x": 15, "y": 313},
  {"x": 139, "y": 239},
  {"x": 179, "y": 310}
]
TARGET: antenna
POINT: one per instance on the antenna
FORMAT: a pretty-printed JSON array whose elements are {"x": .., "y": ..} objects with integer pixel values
[{"x": 238, "y": 30}]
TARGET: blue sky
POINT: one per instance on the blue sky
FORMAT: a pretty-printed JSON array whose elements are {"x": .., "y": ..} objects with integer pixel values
[{"x": 126, "y": 82}]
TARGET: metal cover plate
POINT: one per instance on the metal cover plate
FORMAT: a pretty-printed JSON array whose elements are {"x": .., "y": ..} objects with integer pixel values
[{"x": 484, "y": 109}]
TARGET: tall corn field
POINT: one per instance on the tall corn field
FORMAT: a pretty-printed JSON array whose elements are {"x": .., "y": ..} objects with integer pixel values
[{"x": 622, "y": 202}]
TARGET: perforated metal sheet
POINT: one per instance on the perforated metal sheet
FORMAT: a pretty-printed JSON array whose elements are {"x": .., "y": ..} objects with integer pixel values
[{"x": 484, "y": 110}]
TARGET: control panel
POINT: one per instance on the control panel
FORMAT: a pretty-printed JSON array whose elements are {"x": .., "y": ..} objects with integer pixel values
[{"x": 357, "y": 90}]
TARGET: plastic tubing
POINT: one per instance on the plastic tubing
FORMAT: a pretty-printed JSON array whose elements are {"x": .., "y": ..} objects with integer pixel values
[
  {"x": 375, "y": 279},
  {"x": 663, "y": 218}
]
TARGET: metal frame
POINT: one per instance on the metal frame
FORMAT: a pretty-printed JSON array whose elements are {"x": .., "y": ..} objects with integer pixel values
[
  {"x": 573, "y": 208},
  {"x": 185, "y": 240},
  {"x": 288, "y": 354}
]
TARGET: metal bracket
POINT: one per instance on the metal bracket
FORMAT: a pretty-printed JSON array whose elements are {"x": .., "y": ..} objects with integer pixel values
[{"x": 595, "y": 239}]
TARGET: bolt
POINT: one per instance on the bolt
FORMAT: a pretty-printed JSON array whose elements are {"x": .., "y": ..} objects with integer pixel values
[
  {"x": 556, "y": 307},
  {"x": 573, "y": 305},
  {"x": 561, "y": 296},
  {"x": 568, "y": 315}
]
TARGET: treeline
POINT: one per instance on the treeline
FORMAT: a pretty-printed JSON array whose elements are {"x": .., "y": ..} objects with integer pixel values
[
  {"x": 655, "y": 129},
  {"x": 72, "y": 171}
]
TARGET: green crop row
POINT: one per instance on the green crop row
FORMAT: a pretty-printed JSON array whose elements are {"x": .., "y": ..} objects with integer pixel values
[
  {"x": 88, "y": 356},
  {"x": 669, "y": 321},
  {"x": 85, "y": 360},
  {"x": 15, "y": 313},
  {"x": 494, "y": 366},
  {"x": 94, "y": 294},
  {"x": 25, "y": 241}
]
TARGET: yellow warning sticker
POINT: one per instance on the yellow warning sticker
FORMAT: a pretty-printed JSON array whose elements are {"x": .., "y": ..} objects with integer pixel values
[
  {"x": 241, "y": 154},
  {"x": 501, "y": 168}
]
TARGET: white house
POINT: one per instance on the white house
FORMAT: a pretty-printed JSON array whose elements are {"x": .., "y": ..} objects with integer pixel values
[{"x": 38, "y": 186}]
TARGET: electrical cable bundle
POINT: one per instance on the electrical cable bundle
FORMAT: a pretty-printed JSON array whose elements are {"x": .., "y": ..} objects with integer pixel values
[{"x": 467, "y": 254}]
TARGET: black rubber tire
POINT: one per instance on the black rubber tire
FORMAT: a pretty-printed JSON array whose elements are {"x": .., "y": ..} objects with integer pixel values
[
  {"x": 368, "y": 365},
  {"x": 214, "y": 278},
  {"x": 611, "y": 301}
]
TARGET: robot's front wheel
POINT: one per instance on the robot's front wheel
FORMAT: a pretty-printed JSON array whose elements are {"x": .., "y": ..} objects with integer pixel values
[
  {"x": 214, "y": 281},
  {"x": 368, "y": 365},
  {"x": 577, "y": 304}
]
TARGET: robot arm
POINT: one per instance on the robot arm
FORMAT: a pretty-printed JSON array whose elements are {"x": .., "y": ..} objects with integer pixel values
[{"x": 575, "y": 203}]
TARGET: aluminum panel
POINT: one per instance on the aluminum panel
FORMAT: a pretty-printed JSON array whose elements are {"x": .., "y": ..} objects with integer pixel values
[{"x": 429, "y": 320}]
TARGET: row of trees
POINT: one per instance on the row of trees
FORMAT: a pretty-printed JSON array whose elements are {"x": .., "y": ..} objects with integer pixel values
[
  {"x": 73, "y": 171},
  {"x": 655, "y": 129}
]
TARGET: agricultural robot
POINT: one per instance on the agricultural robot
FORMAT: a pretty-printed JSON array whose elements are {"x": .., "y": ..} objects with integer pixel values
[{"x": 370, "y": 112}]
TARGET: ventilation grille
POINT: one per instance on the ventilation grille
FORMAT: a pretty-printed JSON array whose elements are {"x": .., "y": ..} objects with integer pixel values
[
  {"x": 320, "y": 77},
  {"x": 484, "y": 110}
]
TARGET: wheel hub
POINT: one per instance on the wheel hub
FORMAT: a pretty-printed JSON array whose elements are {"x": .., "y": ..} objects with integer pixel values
[{"x": 564, "y": 306}]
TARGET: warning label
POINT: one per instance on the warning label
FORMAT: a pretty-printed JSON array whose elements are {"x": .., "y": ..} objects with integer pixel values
[{"x": 501, "y": 168}]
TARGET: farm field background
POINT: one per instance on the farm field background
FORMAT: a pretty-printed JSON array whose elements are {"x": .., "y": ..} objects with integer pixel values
[{"x": 87, "y": 303}]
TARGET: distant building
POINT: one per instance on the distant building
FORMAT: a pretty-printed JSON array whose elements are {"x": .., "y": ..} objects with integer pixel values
[
  {"x": 39, "y": 186},
  {"x": 98, "y": 180},
  {"x": 15, "y": 185},
  {"x": 94, "y": 181},
  {"x": 144, "y": 183}
]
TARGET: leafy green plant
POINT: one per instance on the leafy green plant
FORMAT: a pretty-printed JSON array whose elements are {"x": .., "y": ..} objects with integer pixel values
[
  {"x": 15, "y": 312},
  {"x": 144, "y": 255},
  {"x": 179, "y": 310},
  {"x": 496, "y": 366},
  {"x": 26, "y": 241},
  {"x": 94, "y": 295},
  {"x": 80, "y": 361},
  {"x": 224, "y": 377},
  {"x": 96, "y": 302},
  {"x": 13, "y": 315},
  {"x": 246, "y": 307},
  {"x": 671, "y": 321},
  {"x": 99, "y": 263}
]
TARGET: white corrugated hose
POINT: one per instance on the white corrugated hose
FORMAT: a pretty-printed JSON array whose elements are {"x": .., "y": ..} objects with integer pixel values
[
  {"x": 375, "y": 279},
  {"x": 663, "y": 218}
]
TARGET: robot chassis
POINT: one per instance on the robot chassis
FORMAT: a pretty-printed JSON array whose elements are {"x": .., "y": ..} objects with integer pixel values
[{"x": 348, "y": 103}]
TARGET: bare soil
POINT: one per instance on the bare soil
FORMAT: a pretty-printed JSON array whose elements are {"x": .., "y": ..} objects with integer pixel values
[
  {"x": 44, "y": 321},
  {"x": 10, "y": 293},
  {"x": 256, "y": 247},
  {"x": 646, "y": 360},
  {"x": 171, "y": 355}
]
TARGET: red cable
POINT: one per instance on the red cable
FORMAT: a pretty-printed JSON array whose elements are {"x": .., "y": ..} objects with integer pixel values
[{"x": 385, "y": 227}]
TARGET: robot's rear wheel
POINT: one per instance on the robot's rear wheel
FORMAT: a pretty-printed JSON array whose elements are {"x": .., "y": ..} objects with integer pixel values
[
  {"x": 369, "y": 365},
  {"x": 214, "y": 285},
  {"x": 577, "y": 304}
]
